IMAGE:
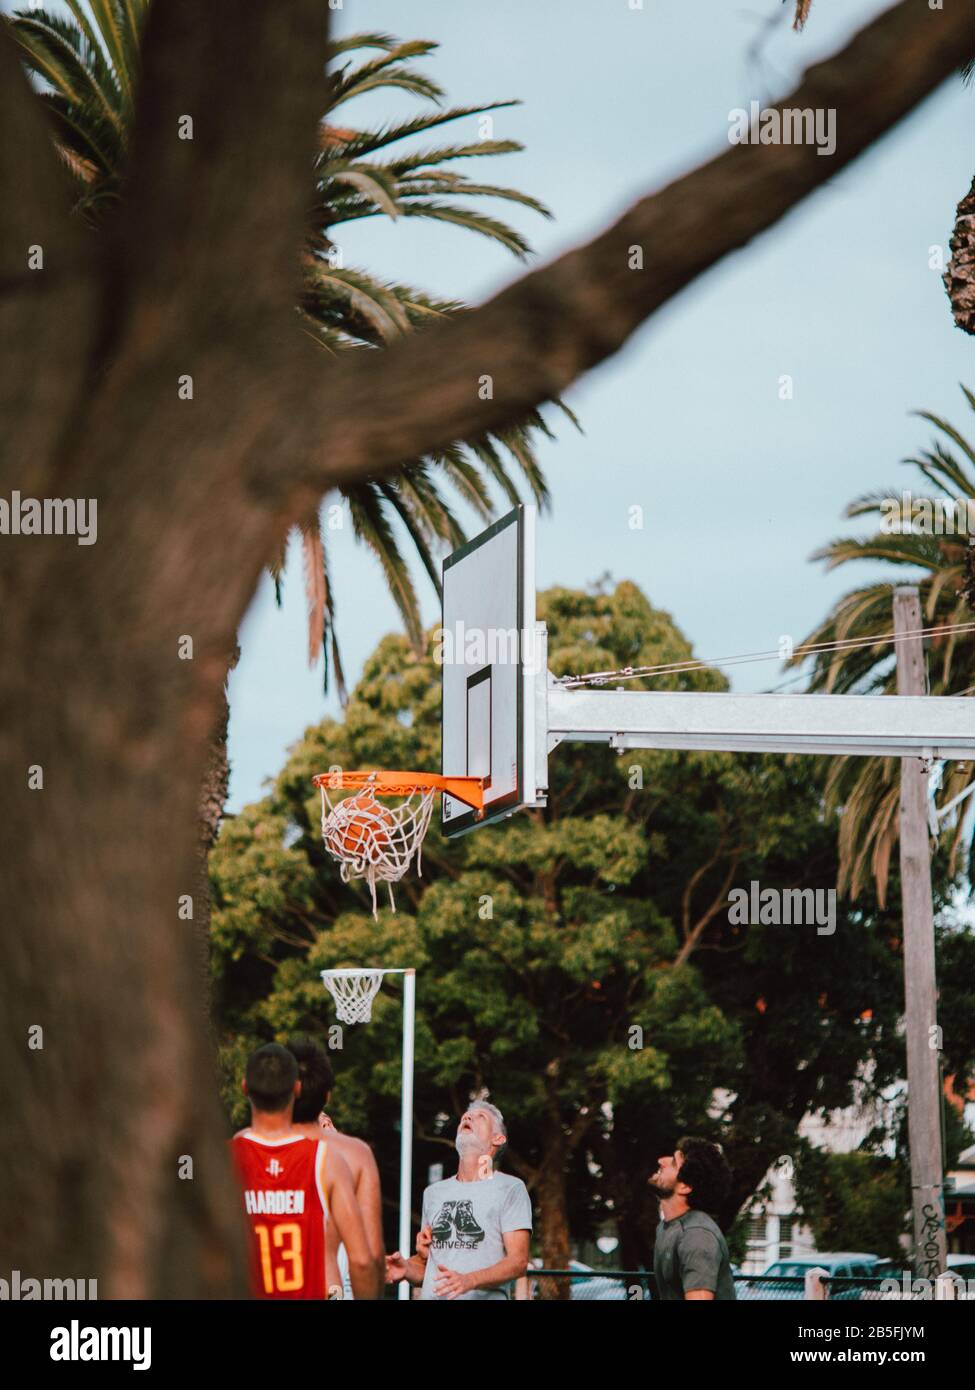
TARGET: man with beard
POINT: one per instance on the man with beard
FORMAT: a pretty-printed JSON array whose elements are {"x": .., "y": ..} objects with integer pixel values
[
  {"x": 476, "y": 1227},
  {"x": 690, "y": 1257}
]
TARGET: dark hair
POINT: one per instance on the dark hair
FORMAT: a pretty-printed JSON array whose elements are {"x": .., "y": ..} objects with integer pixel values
[
  {"x": 317, "y": 1078},
  {"x": 271, "y": 1075},
  {"x": 706, "y": 1172}
]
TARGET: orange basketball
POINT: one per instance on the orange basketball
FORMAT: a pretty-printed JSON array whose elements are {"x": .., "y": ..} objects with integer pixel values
[{"x": 366, "y": 834}]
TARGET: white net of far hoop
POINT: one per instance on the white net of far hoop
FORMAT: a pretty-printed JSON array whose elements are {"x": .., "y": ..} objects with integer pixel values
[
  {"x": 375, "y": 840},
  {"x": 353, "y": 992}
]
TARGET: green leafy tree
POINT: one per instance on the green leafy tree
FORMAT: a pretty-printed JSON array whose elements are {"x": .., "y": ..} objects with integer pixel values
[
  {"x": 578, "y": 962},
  {"x": 853, "y": 1201}
]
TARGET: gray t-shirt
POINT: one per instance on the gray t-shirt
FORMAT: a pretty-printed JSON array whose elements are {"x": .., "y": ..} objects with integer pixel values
[
  {"x": 468, "y": 1220},
  {"x": 690, "y": 1253}
]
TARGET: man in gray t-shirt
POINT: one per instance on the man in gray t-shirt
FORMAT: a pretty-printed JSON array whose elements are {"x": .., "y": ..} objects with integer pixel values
[
  {"x": 476, "y": 1227},
  {"x": 690, "y": 1256}
]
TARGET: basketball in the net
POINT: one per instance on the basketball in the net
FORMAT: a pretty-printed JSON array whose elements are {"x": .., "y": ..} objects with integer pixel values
[{"x": 367, "y": 826}]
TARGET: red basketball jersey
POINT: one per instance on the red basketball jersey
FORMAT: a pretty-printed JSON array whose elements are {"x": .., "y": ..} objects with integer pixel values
[{"x": 284, "y": 1199}]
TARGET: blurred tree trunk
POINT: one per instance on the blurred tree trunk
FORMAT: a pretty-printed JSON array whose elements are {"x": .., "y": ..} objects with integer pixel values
[
  {"x": 158, "y": 372},
  {"x": 627, "y": 1157},
  {"x": 552, "y": 1217}
]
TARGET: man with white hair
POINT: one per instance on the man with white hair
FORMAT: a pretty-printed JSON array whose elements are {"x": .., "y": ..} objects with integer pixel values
[{"x": 476, "y": 1227}]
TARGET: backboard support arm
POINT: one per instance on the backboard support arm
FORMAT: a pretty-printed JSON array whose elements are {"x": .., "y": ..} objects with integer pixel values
[{"x": 929, "y": 727}]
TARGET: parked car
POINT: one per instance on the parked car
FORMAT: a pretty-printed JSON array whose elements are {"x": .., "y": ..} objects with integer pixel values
[
  {"x": 596, "y": 1287},
  {"x": 787, "y": 1278}
]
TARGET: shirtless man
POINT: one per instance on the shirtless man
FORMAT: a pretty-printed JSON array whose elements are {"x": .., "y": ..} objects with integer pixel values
[{"x": 317, "y": 1082}]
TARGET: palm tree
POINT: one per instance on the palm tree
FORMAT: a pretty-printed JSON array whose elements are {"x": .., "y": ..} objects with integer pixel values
[
  {"x": 86, "y": 68},
  {"x": 867, "y": 790}
]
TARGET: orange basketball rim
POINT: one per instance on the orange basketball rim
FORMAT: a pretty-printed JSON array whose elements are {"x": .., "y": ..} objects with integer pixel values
[
  {"x": 376, "y": 842},
  {"x": 470, "y": 790}
]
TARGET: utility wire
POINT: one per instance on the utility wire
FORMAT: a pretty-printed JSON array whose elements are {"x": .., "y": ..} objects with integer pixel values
[{"x": 627, "y": 673}]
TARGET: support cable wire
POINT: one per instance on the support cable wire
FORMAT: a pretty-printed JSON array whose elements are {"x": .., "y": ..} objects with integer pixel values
[{"x": 626, "y": 673}]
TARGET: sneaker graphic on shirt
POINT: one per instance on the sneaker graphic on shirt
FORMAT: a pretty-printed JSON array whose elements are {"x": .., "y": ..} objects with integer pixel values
[
  {"x": 442, "y": 1225},
  {"x": 466, "y": 1225}
]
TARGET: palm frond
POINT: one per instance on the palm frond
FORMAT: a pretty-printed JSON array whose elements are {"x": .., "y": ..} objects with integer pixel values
[
  {"x": 371, "y": 525},
  {"x": 367, "y": 142},
  {"x": 352, "y": 42},
  {"x": 433, "y": 185},
  {"x": 313, "y": 558},
  {"x": 802, "y": 13},
  {"x": 350, "y": 80},
  {"x": 472, "y": 221},
  {"x": 398, "y": 499},
  {"x": 70, "y": 63},
  {"x": 419, "y": 161},
  {"x": 372, "y": 185},
  {"x": 118, "y": 25},
  {"x": 950, "y": 431}
]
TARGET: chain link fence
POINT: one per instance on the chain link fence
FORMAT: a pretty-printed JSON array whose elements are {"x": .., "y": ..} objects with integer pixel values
[{"x": 633, "y": 1286}]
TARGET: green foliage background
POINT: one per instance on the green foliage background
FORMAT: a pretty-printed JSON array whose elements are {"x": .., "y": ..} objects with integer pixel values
[{"x": 576, "y": 962}]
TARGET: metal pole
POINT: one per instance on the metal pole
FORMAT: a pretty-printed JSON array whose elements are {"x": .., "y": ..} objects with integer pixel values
[
  {"x": 920, "y": 989},
  {"x": 406, "y": 1121}
]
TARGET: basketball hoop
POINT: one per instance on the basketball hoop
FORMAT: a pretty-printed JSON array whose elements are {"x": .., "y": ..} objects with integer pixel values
[
  {"x": 378, "y": 842},
  {"x": 353, "y": 992}
]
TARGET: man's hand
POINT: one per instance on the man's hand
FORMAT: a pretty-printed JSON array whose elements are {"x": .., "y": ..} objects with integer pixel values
[
  {"x": 423, "y": 1240},
  {"x": 450, "y": 1284},
  {"x": 395, "y": 1267}
]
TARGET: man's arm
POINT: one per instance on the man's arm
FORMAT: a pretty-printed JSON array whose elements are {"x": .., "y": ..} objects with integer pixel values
[
  {"x": 413, "y": 1269},
  {"x": 450, "y": 1283},
  {"x": 365, "y": 1272}
]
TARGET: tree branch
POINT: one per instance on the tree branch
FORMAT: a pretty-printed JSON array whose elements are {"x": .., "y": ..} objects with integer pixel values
[
  {"x": 718, "y": 902},
  {"x": 539, "y": 335}
]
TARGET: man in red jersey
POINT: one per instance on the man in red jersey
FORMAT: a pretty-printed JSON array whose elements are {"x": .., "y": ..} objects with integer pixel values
[{"x": 291, "y": 1187}]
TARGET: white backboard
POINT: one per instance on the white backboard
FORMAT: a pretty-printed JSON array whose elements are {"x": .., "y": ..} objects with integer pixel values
[{"x": 488, "y": 666}]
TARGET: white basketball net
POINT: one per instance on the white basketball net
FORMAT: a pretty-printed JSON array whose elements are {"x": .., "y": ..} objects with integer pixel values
[
  {"x": 373, "y": 840},
  {"x": 353, "y": 992}
]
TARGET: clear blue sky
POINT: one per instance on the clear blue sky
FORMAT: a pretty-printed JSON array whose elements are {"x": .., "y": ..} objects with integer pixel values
[{"x": 738, "y": 487}]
